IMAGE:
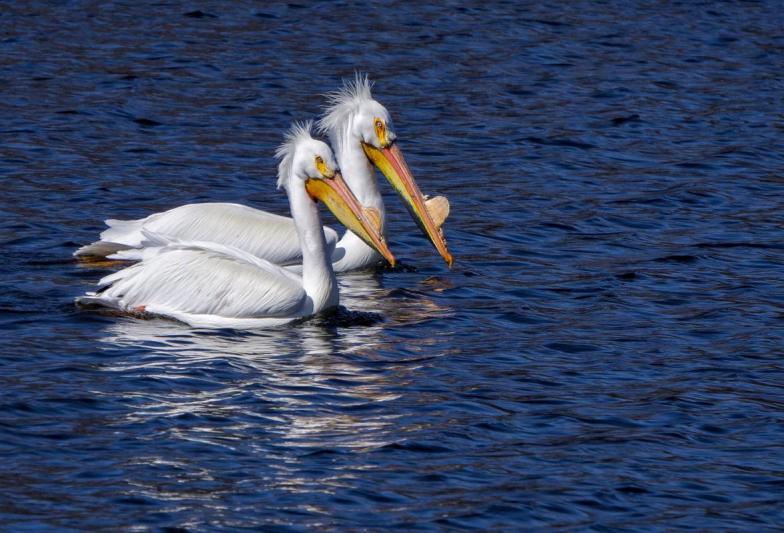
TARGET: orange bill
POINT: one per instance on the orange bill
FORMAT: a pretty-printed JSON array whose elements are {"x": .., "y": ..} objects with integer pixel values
[
  {"x": 336, "y": 195},
  {"x": 391, "y": 163}
]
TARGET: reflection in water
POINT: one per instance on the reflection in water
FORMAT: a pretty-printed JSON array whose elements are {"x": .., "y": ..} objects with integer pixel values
[
  {"x": 310, "y": 386},
  {"x": 361, "y": 291},
  {"x": 286, "y": 366},
  {"x": 299, "y": 392},
  {"x": 605, "y": 353}
]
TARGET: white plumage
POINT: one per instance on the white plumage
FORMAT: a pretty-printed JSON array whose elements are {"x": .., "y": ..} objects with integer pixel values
[
  {"x": 349, "y": 121},
  {"x": 272, "y": 237},
  {"x": 209, "y": 284},
  {"x": 205, "y": 285}
]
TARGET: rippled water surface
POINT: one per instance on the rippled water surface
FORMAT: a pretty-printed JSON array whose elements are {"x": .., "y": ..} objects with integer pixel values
[{"x": 606, "y": 353}]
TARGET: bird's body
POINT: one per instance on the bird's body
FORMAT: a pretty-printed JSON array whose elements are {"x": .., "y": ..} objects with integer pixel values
[
  {"x": 207, "y": 284},
  {"x": 260, "y": 233},
  {"x": 354, "y": 121}
]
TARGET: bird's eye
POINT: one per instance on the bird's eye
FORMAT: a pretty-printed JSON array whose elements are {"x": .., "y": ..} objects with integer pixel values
[
  {"x": 321, "y": 166},
  {"x": 381, "y": 132}
]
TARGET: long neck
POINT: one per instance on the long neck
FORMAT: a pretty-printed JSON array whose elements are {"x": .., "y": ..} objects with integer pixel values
[
  {"x": 318, "y": 278},
  {"x": 352, "y": 252},
  {"x": 357, "y": 170}
]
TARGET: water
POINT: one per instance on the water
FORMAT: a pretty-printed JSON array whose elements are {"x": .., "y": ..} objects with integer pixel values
[{"x": 606, "y": 353}]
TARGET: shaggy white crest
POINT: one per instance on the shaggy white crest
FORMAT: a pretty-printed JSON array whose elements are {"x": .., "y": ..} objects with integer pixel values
[
  {"x": 299, "y": 131},
  {"x": 343, "y": 102}
]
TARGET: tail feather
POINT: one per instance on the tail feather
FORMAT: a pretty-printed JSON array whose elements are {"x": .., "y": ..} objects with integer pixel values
[
  {"x": 120, "y": 235},
  {"x": 95, "y": 299},
  {"x": 114, "y": 277},
  {"x": 152, "y": 243},
  {"x": 99, "y": 249},
  {"x": 127, "y": 232}
]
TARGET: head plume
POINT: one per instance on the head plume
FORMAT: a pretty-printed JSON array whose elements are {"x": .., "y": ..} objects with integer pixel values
[
  {"x": 344, "y": 101},
  {"x": 285, "y": 152}
]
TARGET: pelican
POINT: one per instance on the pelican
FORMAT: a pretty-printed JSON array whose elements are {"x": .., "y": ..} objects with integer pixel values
[
  {"x": 361, "y": 132},
  {"x": 207, "y": 284}
]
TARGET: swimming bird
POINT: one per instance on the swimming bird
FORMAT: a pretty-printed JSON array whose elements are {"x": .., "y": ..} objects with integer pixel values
[
  {"x": 361, "y": 132},
  {"x": 207, "y": 284}
]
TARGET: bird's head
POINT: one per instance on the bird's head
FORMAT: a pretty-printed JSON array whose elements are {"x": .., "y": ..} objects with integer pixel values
[
  {"x": 354, "y": 116},
  {"x": 372, "y": 125},
  {"x": 310, "y": 163}
]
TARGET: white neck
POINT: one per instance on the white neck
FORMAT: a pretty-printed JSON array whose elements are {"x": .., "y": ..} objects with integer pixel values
[
  {"x": 318, "y": 278},
  {"x": 357, "y": 170},
  {"x": 360, "y": 175}
]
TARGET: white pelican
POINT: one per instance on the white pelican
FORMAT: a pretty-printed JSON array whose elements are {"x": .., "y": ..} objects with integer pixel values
[
  {"x": 361, "y": 132},
  {"x": 215, "y": 285}
]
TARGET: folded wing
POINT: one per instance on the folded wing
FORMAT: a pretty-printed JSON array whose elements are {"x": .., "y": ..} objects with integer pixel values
[
  {"x": 262, "y": 234},
  {"x": 191, "y": 281}
]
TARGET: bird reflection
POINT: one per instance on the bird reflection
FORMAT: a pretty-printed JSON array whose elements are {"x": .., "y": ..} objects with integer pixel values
[
  {"x": 324, "y": 384},
  {"x": 306, "y": 382},
  {"x": 361, "y": 291}
]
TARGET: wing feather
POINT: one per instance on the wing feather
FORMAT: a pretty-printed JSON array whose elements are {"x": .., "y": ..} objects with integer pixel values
[
  {"x": 211, "y": 280},
  {"x": 272, "y": 237}
]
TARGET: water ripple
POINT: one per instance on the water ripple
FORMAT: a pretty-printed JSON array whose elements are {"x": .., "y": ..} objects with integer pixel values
[{"x": 604, "y": 355}]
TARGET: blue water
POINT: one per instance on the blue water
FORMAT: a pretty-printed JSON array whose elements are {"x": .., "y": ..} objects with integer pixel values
[{"x": 605, "y": 354}]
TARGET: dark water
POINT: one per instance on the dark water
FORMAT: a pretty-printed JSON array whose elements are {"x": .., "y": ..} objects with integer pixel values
[{"x": 606, "y": 354}]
